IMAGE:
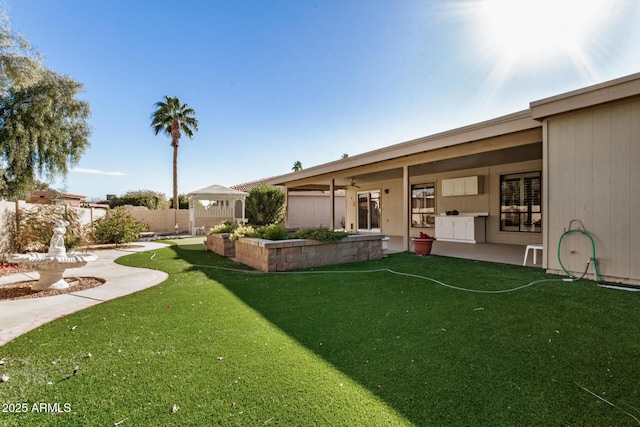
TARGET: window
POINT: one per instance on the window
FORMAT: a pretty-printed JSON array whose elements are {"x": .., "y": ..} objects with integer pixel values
[
  {"x": 369, "y": 210},
  {"x": 521, "y": 202},
  {"x": 423, "y": 205}
]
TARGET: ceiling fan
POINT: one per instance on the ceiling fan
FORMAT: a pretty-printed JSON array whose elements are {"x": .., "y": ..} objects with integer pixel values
[{"x": 353, "y": 184}]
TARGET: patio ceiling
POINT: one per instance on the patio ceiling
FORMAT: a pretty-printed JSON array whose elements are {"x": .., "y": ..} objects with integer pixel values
[{"x": 491, "y": 158}]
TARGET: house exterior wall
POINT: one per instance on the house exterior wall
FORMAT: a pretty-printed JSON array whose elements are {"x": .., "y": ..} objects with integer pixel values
[
  {"x": 50, "y": 197},
  {"x": 390, "y": 204},
  {"x": 488, "y": 200},
  {"x": 497, "y": 150},
  {"x": 593, "y": 171},
  {"x": 311, "y": 209}
]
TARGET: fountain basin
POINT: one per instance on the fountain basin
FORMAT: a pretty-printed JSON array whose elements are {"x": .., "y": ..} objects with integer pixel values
[{"x": 51, "y": 268}]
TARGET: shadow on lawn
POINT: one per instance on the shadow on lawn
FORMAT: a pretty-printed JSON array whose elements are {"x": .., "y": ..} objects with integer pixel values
[{"x": 437, "y": 355}]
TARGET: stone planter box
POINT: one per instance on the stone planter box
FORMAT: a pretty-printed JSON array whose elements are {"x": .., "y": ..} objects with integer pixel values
[
  {"x": 221, "y": 244},
  {"x": 285, "y": 255}
]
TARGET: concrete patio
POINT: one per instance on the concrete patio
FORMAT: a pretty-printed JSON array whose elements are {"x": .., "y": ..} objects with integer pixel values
[{"x": 492, "y": 252}]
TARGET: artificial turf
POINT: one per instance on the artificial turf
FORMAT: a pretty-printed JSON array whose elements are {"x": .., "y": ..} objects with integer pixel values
[{"x": 340, "y": 345}]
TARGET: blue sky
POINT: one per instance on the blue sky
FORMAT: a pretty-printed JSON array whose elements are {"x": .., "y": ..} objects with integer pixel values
[{"x": 279, "y": 81}]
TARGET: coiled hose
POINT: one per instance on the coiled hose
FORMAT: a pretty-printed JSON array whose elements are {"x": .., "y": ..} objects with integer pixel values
[{"x": 580, "y": 229}]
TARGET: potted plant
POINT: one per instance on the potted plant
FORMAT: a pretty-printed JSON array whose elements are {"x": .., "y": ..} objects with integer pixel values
[{"x": 423, "y": 244}]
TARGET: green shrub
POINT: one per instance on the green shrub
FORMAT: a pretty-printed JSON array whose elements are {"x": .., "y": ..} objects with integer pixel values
[
  {"x": 269, "y": 232},
  {"x": 242, "y": 231},
  {"x": 148, "y": 198},
  {"x": 278, "y": 232},
  {"x": 224, "y": 227},
  {"x": 265, "y": 205},
  {"x": 321, "y": 234},
  {"x": 118, "y": 227},
  {"x": 35, "y": 228},
  {"x": 183, "y": 201},
  {"x": 272, "y": 232}
]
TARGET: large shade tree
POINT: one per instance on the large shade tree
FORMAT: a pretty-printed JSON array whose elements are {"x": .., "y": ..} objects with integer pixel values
[
  {"x": 43, "y": 127},
  {"x": 20, "y": 63},
  {"x": 173, "y": 119}
]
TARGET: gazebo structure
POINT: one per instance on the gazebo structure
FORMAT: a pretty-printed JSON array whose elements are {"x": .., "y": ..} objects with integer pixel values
[{"x": 211, "y": 205}]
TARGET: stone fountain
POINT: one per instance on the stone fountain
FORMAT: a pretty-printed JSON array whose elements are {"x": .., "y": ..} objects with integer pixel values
[{"x": 51, "y": 266}]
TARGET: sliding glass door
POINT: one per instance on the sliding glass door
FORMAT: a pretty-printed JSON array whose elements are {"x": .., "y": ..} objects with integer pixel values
[{"x": 369, "y": 210}]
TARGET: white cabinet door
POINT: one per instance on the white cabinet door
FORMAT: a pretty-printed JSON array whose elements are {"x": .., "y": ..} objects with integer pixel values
[
  {"x": 463, "y": 229},
  {"x": 444, "y": 228},
  {"x": 449, "y": 229},
  {"x": 469, "y": 230},
  {"x": 458, "y": 186},
  {"x": 458, "y": 230},
  {"x": 471, "y": 185},
  {"x": 447, "y": 187}
]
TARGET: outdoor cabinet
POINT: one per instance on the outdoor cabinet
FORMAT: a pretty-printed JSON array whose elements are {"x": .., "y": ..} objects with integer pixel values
[
  {"x": 466, "y": 186},
  {"x": 463, "y": 229}
]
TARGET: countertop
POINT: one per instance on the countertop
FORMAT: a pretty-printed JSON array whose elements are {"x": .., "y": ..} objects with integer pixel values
[{"x": 467, "y": 214}]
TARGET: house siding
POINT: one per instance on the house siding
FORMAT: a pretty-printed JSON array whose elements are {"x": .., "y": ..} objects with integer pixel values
[
  {"x": 593, "y": 171},
  {"x": 311, "y": 209}
]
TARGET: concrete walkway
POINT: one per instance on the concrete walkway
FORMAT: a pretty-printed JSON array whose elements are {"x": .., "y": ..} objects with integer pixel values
[{"x": 20, "y": 316}]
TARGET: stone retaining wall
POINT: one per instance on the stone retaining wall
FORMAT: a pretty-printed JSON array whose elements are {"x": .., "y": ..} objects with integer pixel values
[
  {"x": 221, "y": 244},
  {"x": 285, "y": 255}
]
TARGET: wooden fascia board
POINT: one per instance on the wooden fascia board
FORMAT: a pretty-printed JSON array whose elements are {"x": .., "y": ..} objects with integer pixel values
[{"x": 614, "y": 90}]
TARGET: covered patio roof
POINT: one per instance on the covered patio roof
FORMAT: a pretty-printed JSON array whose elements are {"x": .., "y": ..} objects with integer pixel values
[{"x": 501, "y": 133}]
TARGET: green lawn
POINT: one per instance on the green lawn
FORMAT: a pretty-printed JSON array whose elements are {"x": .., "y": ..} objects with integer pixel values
[{"x": 335, "y": 346}]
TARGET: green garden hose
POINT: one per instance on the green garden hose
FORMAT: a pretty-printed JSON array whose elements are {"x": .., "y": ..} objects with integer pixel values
[{"x": 593, "y": 258}]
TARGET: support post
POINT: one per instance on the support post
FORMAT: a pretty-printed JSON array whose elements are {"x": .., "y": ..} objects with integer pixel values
[
  {"x": 192, "y": 217},
  {"x": 405, "y": 207},
  {"x": 332, "y": 205},
  {"x": 286, "y": 207}
]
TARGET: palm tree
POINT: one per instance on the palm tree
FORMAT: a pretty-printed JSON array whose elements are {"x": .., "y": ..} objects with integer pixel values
[
  {"x": 171, "y": 118},
  {"x": 297, "y": 166}
]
